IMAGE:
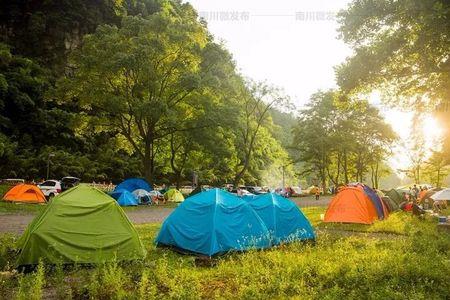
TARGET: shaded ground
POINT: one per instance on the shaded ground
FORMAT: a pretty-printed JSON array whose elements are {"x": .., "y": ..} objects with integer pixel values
[{"x": 16, "y": 221}]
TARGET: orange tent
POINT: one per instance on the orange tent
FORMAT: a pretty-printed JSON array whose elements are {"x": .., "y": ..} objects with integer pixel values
[
  {"x": 351, "y": 205},
  {"x": 26, "y": 193}
]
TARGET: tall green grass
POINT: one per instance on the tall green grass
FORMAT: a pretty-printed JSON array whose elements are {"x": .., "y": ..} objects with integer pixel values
[{"x": 413, "y": 263}]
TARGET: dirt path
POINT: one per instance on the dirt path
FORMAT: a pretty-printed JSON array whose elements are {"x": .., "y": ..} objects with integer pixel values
[
  {"x": 310, "y": 201},
  {"x": 17, "y": 222},
  {"x": 14, "y": 223},
  {"x": 152, "y": 215}
]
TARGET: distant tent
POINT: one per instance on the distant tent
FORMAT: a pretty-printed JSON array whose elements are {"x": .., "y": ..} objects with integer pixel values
[
  {"x": 351, "y": 205},
  {"x": 441, "y": 195},
  {"x": 282, "y": 217},
  {"x": 81, "y": 225},
  {"x": 395, "y": 195},
  {"x": 431, "y": 192},
  {"x": 390, "y": 204},
  {"x": 133, "y": 184},
  {"x": 25, "y": 193},
  {"x": 312, "y": 189},
  {"x": 174, "y": 195},
  {"x": 213, "y": 222},
  {"x": 143, "y": 196},
  {"x": 124, "y": 198}
]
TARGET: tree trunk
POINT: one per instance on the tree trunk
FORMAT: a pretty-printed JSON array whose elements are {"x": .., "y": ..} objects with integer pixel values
[
  {"x": 438, "y": 181},
  {"x": 148, "y": 162},
  {"x": 372, "y": 175},
  {"x": 345, "y": 167},
  {"x": 376, "y": 175},
  {"x": 148, "y": 174},
  {"x": 178, "y": 180}
]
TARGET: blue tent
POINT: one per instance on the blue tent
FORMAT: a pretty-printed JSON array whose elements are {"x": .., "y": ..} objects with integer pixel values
[
  {"x": 124, "y": 197},
  {"x": 376, "y": 200},
  {"x": 282, "y": 217},
  {"x": 213, "y": 222},
  {"x": 133, "y": 184}
]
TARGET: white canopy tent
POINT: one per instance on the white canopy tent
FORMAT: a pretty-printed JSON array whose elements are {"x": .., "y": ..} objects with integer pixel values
[{"x": 441, "y": 195}]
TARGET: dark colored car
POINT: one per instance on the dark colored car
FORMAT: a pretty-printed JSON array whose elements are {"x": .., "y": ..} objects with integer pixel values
[{"x": 69, "y": 182}]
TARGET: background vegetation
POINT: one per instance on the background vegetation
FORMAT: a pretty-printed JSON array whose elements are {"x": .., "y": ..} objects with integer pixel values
[{"x": 118, "y": 88}]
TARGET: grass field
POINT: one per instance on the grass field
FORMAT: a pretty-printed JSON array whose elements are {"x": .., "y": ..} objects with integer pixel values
[{"x": 400, "y": 258}]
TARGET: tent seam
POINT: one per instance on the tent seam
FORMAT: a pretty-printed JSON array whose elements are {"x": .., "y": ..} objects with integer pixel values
[{"x": 214, "y": 222}]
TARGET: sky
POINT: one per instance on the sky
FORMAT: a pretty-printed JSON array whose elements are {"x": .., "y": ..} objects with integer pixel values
[
  {"x": 294, "y": 45},
  {"x": 291, "y": 44}
]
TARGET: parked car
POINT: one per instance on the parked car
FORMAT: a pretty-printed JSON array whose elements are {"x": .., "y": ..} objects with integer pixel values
[
  {"x": 294, "y": 191},
  {"x": 12, "y": 181},
  {"x": 256, "y": 190},
  {"x": 186, "y": 189},
  {"x": 241, "y": 192},
  {"x": 50, "y": 188},
  {"x": 282, "y": 192},
  {"x": 68, "y": 182}
]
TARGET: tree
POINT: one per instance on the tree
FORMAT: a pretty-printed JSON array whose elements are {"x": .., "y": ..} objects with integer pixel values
[
  {"x": 25, "y": 115},
  {"x": 46, "y": 31},
  {"x": 257, "y": 99},
  {"x": 312, "y": 134},
  {"x": 342, "y": 142},
  {"x": 139, "y": 76},
  {"x": 401, "y": 49},
  {"x": 436, "y": 168},
  {"x": 400, "y": 46},
  {"x": 417, "y": 149}
]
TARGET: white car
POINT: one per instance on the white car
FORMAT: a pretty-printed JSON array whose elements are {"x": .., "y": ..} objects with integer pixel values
[{"x": 50, "y": 188}]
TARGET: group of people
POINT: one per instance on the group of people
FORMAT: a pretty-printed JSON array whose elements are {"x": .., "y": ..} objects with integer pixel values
[{"x": 417, "y": 201}]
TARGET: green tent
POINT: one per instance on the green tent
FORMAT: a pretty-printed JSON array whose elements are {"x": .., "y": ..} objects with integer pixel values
[
  {"x": 82, "y": 225},
  {"x": 395, "y": 195},
  {"x": 391, "y": 204},
  {"x": 174, "y": 195}
]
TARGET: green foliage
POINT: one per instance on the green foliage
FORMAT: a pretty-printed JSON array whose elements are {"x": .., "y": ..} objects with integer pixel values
[
  {"x": 174, "y": 97},
  {"x": 48, "y": 30},
  {"x": 342, "y": 142},
  {"x": 138, "y": 79},
  {"x": 400, "y": 47},
  {"x": 253, "y": 143},
  {"x": 31, "y": 286},
  {"x": 108, "y": 282},
  {"x": 436, "y": 168}
]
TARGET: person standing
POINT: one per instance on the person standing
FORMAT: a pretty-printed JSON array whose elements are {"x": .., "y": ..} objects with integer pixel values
[
  {"x": 416, "y": 192},
  {"x": 317, "y": 193}
]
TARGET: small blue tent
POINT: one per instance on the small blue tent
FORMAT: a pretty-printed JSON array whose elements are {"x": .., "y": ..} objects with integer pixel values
[
  {"x": 214, "y": 222},
  {"x": 124, "y": 197},
  {"x": 282, "y": 217},
  {"x": 133, "y": 184}
]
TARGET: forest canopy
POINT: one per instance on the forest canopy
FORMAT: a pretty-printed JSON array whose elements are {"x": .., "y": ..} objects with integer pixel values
[
  {"x": 112, "y": 89},
  {"x": 119, "y": 88}
]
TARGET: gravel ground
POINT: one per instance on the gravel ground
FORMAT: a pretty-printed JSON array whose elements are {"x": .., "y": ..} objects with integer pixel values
[{"x": 16, "y": 223}]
